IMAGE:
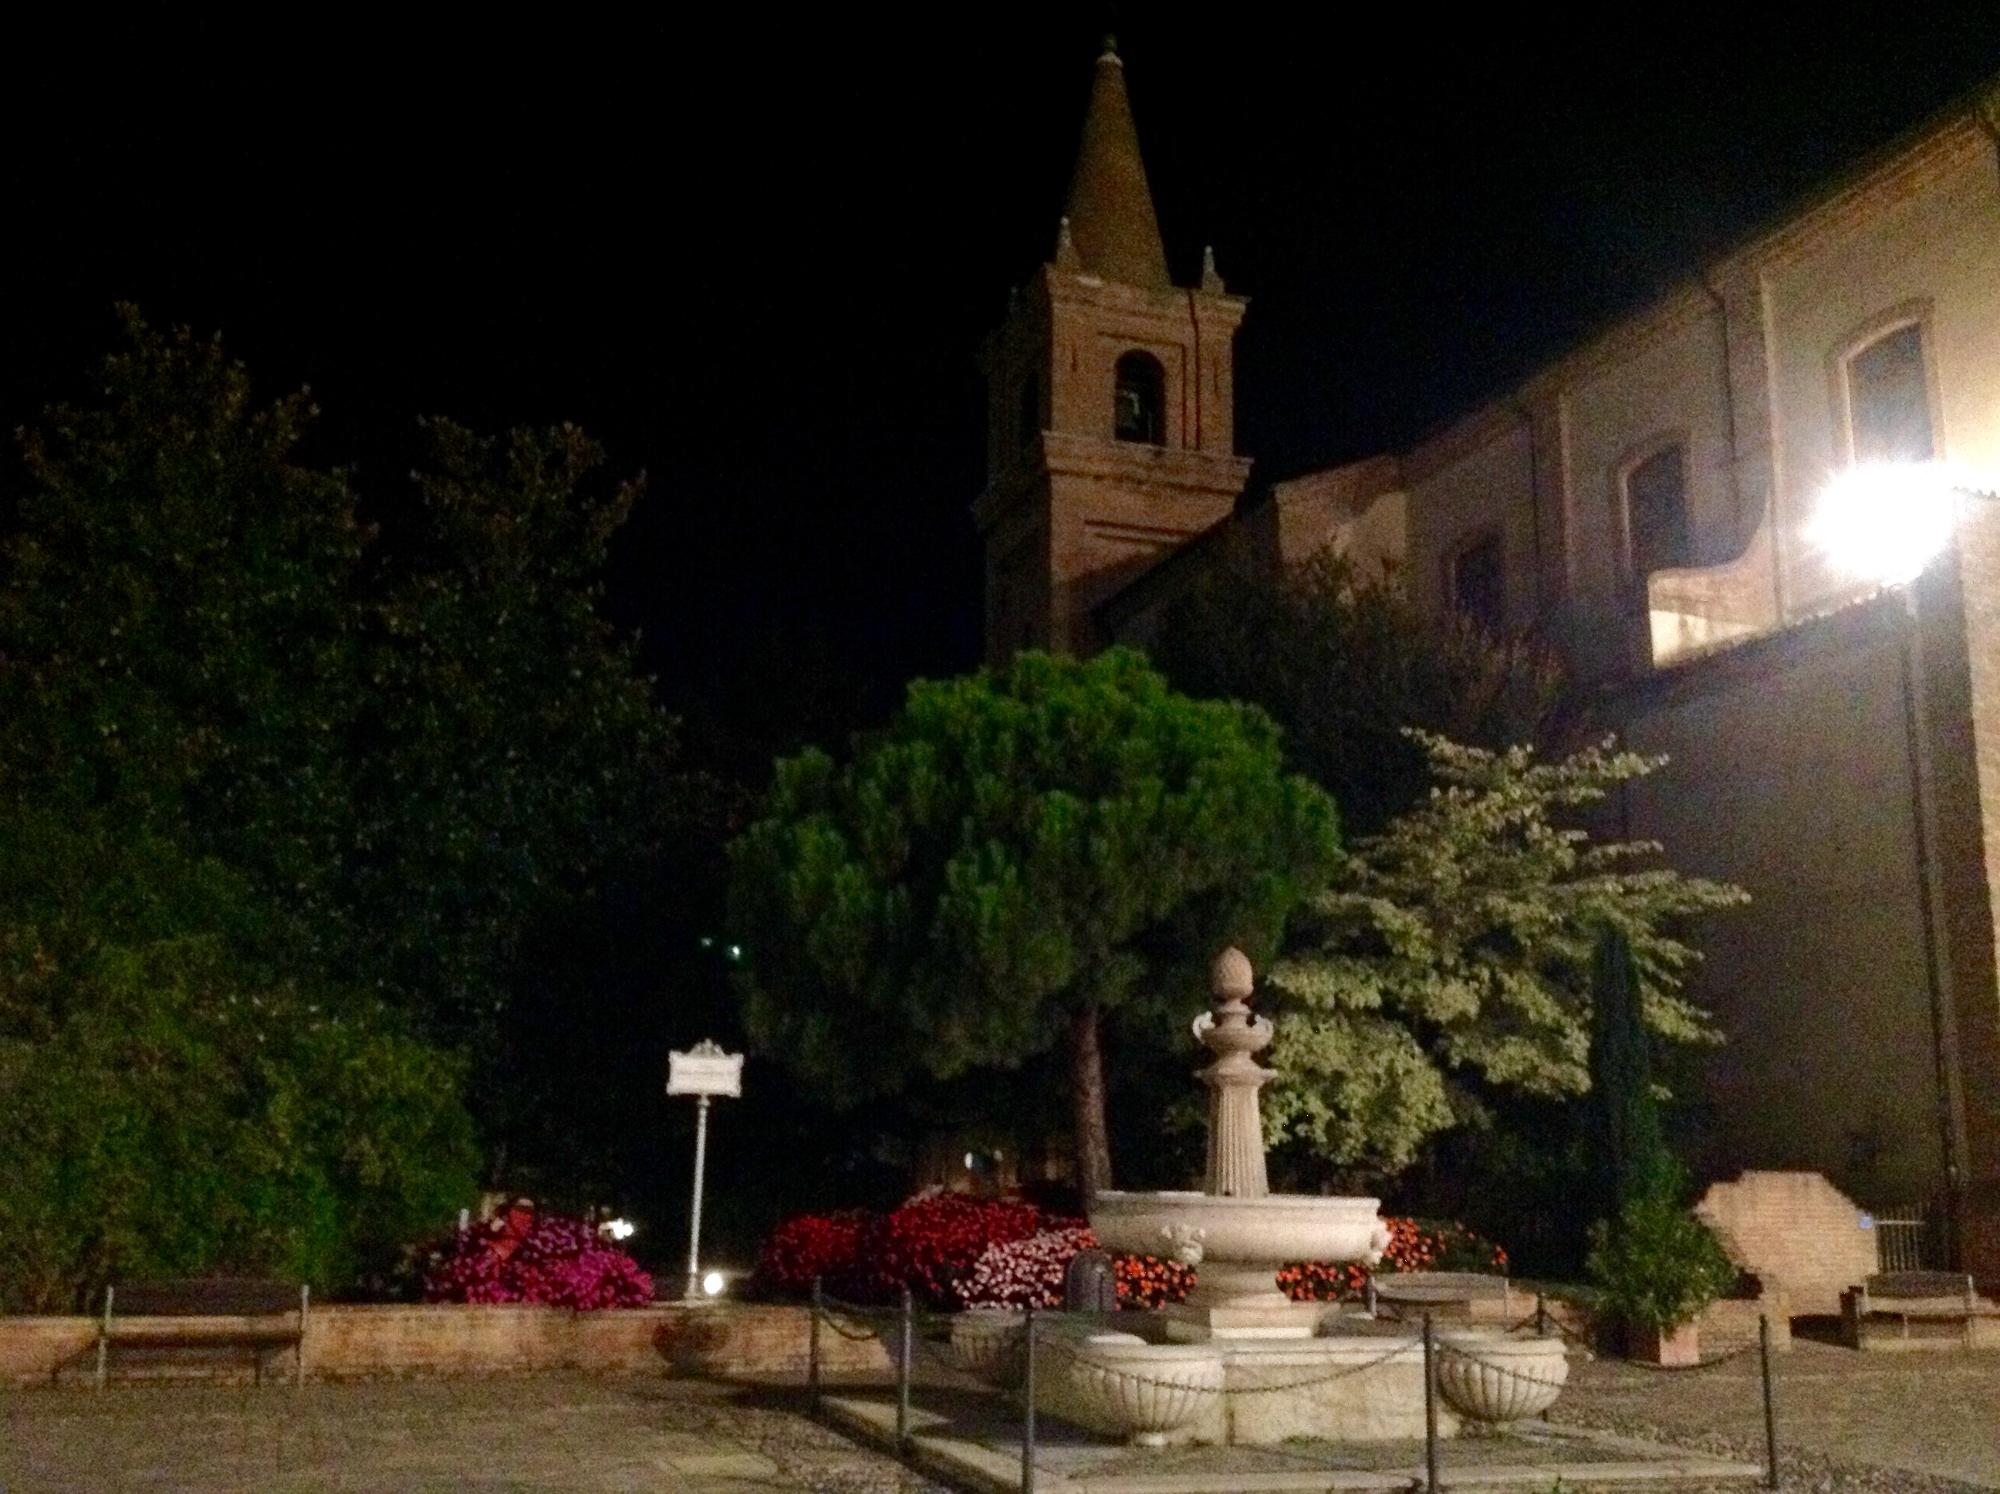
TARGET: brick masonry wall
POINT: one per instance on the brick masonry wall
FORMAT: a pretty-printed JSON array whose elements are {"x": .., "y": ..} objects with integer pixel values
[
  {"x": 1796, "y": 1232},
  {"x": 730, "y": 1340}
]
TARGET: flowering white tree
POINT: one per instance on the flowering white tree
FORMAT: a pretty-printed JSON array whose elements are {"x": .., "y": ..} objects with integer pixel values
[{"x": 1456, "y": 946}]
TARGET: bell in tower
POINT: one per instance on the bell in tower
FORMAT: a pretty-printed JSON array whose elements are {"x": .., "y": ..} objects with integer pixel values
[{"x": 1109, "y": 403}]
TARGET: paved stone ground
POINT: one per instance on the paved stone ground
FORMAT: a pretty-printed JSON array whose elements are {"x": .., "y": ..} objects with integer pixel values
[
  {"x": 577, "y": 1434},
  {"x": 1928, "y": 1422},
  {"x": 1914, "y": 1422}
]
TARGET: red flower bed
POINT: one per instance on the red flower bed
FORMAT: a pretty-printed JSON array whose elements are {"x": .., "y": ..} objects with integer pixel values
[
  {"x": 559, "y": 1262},
  {"x": 1031, "y": 1272},
  {"x": 954, "y": 1251},
  {"x": 1148, "y": 1281},
  {"x": 931, "y": 1244},
  {"x": 1414, "y": 1245},
  {"x": 809, "y": 1245}
]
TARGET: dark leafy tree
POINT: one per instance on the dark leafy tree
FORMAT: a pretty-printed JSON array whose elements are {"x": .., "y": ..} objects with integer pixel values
[
  {"x": 1017, "y": 857},
  {"x": 169, "y": 1105},
  {"x": 1347, "y": 666}
]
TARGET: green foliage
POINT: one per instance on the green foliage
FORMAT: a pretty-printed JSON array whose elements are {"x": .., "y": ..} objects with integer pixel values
[
  {"x": 1628, "y": 1141},
  {"x": 282, "y": 803},
  {"x": 1346, "y": 664},
  {"x": 516, "y": 756},
  {"x": 413, "y": 749},
  {"x": 166, "y": 1108},
  {"x": 1015, "y": 848},
  {"x": 1657, "y": 1266},
  {"x": 1453, "y": 953}
]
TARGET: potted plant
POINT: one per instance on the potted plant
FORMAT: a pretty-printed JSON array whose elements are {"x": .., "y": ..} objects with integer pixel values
[{"x": 1656, "y": 1267}]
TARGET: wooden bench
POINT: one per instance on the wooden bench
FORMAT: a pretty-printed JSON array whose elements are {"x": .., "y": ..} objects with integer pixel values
[
  {"x": 1928, "y": 1310},
  {"x": 262, "y": 1317},
  {"x": 1451, "y": 1293}
]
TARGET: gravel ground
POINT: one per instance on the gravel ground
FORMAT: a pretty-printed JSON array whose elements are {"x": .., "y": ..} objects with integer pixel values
[
  {"x": 1925, "y": 1423},
  {"x": 538, "y": 1434}
]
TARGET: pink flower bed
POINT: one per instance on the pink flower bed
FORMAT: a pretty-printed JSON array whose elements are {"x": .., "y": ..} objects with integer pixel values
[{"x": 559, "y": 1263}]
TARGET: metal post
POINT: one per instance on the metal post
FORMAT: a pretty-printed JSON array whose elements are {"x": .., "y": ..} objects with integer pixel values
[
  {"x": 812, "y": 1346},
  {"x": 1541, "y": 1316},
  {"x": 305, "y": 1299},
  {"x": 104, "y": 1335},
  {"x": 1368, "y": 1295},
  {"x": 1938, "y": 972},
  {"x": 1770, "y": 1410},
  {"x": 694, "y": 1222},
  {"x": 1430, "y": 1408},
  {"x": 903, "y": 1377},
  {"x": 1028, "y": 1409}
]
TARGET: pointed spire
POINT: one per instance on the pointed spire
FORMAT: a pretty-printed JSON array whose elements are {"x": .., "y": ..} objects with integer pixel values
[
  {"x": 1211, "y": 278},
  {"x": 1066, "y": 256},
  {"x": 1110, "y": 211}
]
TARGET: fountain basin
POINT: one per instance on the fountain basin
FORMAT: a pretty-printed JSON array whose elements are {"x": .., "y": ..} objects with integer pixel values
[
  {"x": 1277, "y": 1228},
  {"x": 1496, "y": 1378},
  {"x": 1352, "y": 1388},
  {"x": 1148, "y": 1393}
]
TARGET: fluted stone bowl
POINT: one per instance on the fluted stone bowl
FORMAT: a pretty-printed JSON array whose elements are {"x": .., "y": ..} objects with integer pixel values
[
  {"x": 1279, "y": 1228},
  {"x": 1146, "y": 1391},
  {"x": 988, "y": 1344},
  {"x": 1495, "y": 1378}
]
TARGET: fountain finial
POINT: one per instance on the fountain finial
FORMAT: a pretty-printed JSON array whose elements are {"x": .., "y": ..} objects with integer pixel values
[
  {"x": 1230, "y": 977},
  {"x": 1232, "y": 1034}
]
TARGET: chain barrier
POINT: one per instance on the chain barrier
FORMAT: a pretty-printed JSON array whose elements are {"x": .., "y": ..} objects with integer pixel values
[
  {"x": 923, "y": 1341},
  {"x": 1697, "y": 1367},
  {"x": 1448, "y": 1350}
]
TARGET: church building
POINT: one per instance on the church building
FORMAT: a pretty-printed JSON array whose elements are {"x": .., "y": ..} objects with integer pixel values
[{"x": 1666, "y": 492}]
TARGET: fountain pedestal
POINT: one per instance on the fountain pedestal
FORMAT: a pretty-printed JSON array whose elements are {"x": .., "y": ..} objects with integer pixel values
[
  {"x": 1238, "y": 1361},
  {"x": 1236, "y": 1233}
]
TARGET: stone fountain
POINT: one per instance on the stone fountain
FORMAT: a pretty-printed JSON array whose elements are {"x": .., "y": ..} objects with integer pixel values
[
  {"x": 1239, "y": 1362},
  {"x": 1236, "y": 1232}
]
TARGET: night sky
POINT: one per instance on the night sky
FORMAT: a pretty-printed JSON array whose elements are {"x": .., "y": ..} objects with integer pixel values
[{"x": 756, "y": 255}]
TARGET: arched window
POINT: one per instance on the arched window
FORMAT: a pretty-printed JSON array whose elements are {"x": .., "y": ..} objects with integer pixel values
[
  {"x": 1139, "y": 406},
  {"x": 1888, "y": 398},
  {"x": 1656, "y": 515},
  {"x": 1476, "y": 578}
]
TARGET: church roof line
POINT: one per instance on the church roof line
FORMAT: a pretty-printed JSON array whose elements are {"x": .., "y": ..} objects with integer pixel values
[{"x": 1109, "y": 211}]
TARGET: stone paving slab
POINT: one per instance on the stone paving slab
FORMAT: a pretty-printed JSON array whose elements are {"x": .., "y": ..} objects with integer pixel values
[
  {"x": 1845, "y": 1420},
  {"x": 974, "y": 1441},
  {"x": 532, "y": 1434}
]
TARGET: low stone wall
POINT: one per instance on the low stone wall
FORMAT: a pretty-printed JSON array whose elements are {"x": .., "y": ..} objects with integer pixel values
[
  {"x": 33, "y": 1349},
  {"x": 728, "y": 1340},
  {"x": 750, "y": 1341}
]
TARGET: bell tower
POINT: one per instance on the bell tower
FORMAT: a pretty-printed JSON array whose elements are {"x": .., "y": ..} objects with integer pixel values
[{"x": 1110, "y": 403}]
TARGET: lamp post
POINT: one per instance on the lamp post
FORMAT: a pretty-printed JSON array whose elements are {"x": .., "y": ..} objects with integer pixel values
[
  {"x": 1887, "y": 522},
  {"x": 704, "y": 1071}
]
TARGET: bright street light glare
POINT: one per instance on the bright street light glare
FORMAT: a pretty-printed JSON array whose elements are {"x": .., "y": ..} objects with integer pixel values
[
  {"x": 713, "y": 1283},
  {"x": 1885, "y": 521}
]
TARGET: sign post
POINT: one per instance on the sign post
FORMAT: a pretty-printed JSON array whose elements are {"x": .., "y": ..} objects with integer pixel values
[{"x": 704, "y": 1071}]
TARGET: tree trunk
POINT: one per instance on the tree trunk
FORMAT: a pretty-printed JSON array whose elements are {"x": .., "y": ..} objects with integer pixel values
[{"x": 1093, "y": 1135}]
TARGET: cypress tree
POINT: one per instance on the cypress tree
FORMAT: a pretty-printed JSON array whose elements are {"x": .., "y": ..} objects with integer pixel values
[{"x": 1628, "y": 1141}]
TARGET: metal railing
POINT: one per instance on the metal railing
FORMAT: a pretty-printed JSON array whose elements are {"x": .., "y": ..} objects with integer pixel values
[
  {"x": 903, "y": 1325},
  {"x": 1907, "y": 1241}
]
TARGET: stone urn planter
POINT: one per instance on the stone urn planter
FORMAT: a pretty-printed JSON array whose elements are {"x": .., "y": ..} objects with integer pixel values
[
  {"x": 987, "y": 1343},
  {"x": 1492, "y": 1378},
  {"x": 1678, "y": 1347},
  {"x": 1146, "y": 1391}
]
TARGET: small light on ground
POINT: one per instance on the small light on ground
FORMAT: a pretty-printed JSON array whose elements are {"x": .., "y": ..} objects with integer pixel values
[
  {"x": 713, "y": 1284},
  {"x": 619, "y": 1229}
]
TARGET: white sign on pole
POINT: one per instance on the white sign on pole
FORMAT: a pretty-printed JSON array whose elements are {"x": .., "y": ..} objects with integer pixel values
[{"x": 705, "y": 1070}]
